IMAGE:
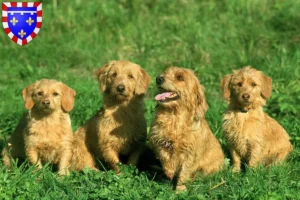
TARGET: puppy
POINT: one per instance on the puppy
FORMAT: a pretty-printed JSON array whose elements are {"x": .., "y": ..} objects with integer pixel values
[
  {"x": 44, "y": 133},
  {"x": 119, "y": 128},
  {"x": 180, "y": 135},
  {"x": 253, "y": 137}
]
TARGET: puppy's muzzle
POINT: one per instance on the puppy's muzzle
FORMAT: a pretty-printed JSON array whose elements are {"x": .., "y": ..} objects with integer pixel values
[
  {"x": 46, "y": 103},
  {"x": 245, "y": 97},
  {"x": 120, "y": 88},
  {"x": 160, "y": 80}
]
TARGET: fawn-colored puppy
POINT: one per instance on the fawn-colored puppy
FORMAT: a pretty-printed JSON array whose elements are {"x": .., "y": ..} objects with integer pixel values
[
  {"x": 44, "y": 133},
  {"x": 180, "y": 135},
  {"x": 253, "y": 137},
  {"x": 119, "y": 128}
]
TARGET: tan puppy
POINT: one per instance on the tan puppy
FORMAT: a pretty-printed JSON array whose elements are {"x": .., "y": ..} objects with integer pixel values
[
  {"x": 252, "y": 136},
  {"x": 180, "y": 134},
  {"x": 119, "y": 128},
  {"x": 44, "y": 133}
]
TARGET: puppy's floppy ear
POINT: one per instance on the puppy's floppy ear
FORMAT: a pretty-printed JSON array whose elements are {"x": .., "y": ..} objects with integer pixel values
[
  {"x": 143, "y": 82},
  {"x": 201, "y": 104},
  {"x": 27, "y": 96},
  {"x": 68, "y": 98},
  {"x": 225, "y": 87},
  {"x": 266, "y": 86},
  {"x": 102, "y": 75}
]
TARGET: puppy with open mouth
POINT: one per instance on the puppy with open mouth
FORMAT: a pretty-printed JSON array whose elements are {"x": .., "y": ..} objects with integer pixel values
[{"x": 180, "y": 135}]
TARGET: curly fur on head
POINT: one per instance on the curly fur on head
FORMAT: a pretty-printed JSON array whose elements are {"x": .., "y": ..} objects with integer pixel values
[
  {"x": 122, "y": 75},
  {"x": 246, "y": 88},
  {"x": 187, "y": 93},
  {"x": 252, "y": 136}
]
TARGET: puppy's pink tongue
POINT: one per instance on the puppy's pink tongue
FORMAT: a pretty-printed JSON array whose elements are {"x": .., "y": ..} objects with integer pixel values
[{"x": 162, "y": 96}]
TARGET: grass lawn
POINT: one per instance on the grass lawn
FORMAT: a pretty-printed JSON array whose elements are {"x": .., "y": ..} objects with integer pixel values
[{"x": 211, "y": 37}]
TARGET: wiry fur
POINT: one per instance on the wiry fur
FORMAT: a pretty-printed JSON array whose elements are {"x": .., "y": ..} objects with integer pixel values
[
  {"x": 44, "y": 133},
  {"x": 180, "y": 134},
  {"x": 252, "y": 136},
  {"x": 119, "y": 128},
  {"x": 81, "y": 156}
]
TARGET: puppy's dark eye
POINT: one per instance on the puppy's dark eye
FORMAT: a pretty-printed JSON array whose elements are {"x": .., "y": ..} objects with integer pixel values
[
  {"x": 179, "y": 78},
  {"x": 114, "y": 74},
  {"x": 254, "y": 84},
  {"x": 55, "y": 94},
  {"x": 40, "y": 93},
  {"x": 239, "y": 84},
  {"x": 130, "y": 76}
]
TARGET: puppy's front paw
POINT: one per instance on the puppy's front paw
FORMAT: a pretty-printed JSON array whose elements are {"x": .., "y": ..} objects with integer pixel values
[
  {"x": 64, "y": 172},
  {"x": 169, "y": 174},
  {"x": 236, "y": 169},
  {"x": 180, "y": 188}
]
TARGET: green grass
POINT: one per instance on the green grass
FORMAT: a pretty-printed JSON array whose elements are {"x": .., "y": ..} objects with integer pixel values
[{"x": 210, "y": 37}]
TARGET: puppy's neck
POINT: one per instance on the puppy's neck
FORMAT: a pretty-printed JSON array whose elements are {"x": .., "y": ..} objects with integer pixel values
[
  {"x": 244, "y": 109},
  {"x": 40, "y": 115},
  {"x": 241, "y": 109},
  {"x": 177, "y": 112},
  {"x": 109, "y": 103},
  {"x": 237, "y": 107},
  {"x": 167, "y": 110}
]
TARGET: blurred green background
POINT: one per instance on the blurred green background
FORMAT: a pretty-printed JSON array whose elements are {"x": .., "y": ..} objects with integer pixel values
[{"x": 211, "y": 37}]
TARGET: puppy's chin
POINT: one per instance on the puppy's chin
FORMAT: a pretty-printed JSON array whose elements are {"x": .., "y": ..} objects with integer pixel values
[
  {"x": 121, "y": 97},
  {"x": 245, "y": 106},
  {"x": 169, "y": 104},
  {"x": 245, "y": 103},
  {"x": 44, "y": 110}
]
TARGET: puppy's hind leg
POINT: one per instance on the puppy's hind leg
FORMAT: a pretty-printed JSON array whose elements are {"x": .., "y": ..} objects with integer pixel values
[{"x": 282, "y": 155}]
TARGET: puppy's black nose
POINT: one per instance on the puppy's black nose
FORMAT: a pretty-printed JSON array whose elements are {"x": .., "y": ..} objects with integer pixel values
[
  {"x": 246, "y": 96},
  {"x": 121, "y": 88},
  {"x": 160, "y": 80},
  {"x": 46, "y": 102}
]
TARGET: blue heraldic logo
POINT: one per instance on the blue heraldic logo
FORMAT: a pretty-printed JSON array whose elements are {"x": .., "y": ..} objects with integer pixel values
[{"x": 22, "y": 21}]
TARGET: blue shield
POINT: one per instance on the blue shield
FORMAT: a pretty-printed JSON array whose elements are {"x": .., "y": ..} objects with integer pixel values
[{"x": 22, "y": 20}]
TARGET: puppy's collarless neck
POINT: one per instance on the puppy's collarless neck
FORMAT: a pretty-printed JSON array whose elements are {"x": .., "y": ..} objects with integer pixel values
[
  {"x": 242, "y": 110},
  {"x": 34, "y": 116}
]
